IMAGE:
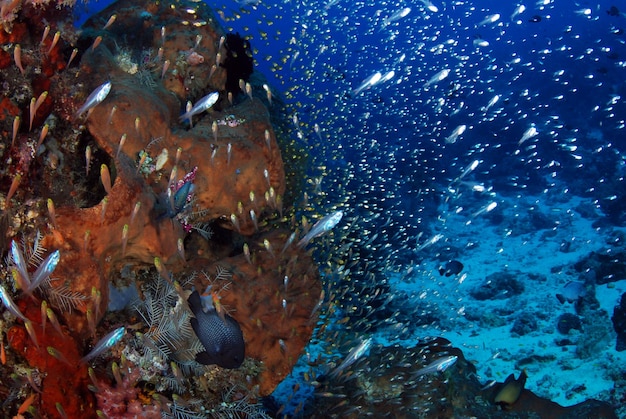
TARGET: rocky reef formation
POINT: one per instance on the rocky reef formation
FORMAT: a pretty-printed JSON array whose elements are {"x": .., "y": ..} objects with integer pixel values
[
  {"x": 408, "y": 382},
  {"x": 132, "y": 196}
]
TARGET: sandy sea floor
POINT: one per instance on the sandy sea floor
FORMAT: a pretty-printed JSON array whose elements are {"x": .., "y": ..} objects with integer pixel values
[{"x": 566, "y": 374}]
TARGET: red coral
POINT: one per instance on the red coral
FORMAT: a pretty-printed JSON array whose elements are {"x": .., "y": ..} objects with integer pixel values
[
  {"x": 5, "y": 59},
  {"x": 17, "y": 34},
  {"x": 8, "y": 109},
  {"x": 63, "y": 382}
]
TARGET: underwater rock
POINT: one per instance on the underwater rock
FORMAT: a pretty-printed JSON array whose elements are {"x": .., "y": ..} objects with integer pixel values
[
  {"x": 540, "y": 221},
  {"x": 607, "y": 267},
  {"x": 619, "y": 323},
  {"x": 388, "y": 380},
  {"x": 567, "y": 322},
  {"x": 524, "y": 324},
  {"x": 498, "y": 286}
]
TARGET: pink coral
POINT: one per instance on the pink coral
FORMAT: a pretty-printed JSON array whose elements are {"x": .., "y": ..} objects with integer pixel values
[
  {"x": 194, "y": 58},
  {"x": 123, "y": 400}
]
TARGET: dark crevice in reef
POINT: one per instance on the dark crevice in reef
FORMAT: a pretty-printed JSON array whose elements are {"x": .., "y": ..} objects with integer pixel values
[
  {"x": 238, "y": 63},
  {"x": 88, "y": 190}
]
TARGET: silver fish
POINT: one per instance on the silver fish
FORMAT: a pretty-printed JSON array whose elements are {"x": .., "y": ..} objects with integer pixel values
[
  {"x": 44, "y": 270},
  {"x": 430, "y": 6},
  {"x": 368, "y": 82},
  {"x": 438, "y": 77},
  {"x": 10, "y": 304},
  {"x": 321, "y": 227},
  {"x": 528, "y": 134},
  {"x": 356, "y": 353},
  {"x": 200, "y": 106},
  {"x": 456, "y": 133},
  {"x": 105, "y": 343},
  {"x": 438, "y": 365},
  {"x": 397, "y": 15},
  {"x": 96, "y": 97},
  {"x": 20, "y": 262}
]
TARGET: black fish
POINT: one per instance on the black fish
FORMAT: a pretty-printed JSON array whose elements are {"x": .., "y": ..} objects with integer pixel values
[
  {"x": 613, "y": 11},
  {"x": 572, "y": 292},
  {"x": 452, "y": 267},
  {"x": 222, "y": 339}
]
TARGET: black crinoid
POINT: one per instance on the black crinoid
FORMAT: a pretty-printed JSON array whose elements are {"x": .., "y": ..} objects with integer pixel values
[{"x": 238, "y": 62}]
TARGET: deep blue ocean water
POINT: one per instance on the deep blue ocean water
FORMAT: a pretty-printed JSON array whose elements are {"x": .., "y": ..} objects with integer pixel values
[
  {"x": 330, "y": 49},
  {"x": 557, "y": 67}
]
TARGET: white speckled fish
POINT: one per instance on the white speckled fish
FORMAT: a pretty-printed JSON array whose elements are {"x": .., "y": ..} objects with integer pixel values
[{"x": 222, "y": 339}]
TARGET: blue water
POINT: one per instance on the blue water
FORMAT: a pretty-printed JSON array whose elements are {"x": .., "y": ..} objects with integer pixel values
[
  {"x": 563, "y": 75},
  {"x": 405, "y": 119}
]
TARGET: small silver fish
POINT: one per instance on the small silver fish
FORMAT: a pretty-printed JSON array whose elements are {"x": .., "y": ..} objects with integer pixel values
[
  {"x": 10, "y": 304},
  {"x": 430, "y": 6},
  {"x": 437, "y": 77},
  {"x": 356, "y": 353},
  {"x": 105, "y": 343},
  {"x": 367, "y": 83},
  {"x": 20, "y": 262},
  {"x": 456, "y": 133},
  {"x": 321, "y": 227},
  {"x": 44, "y": 271},
  {"x": 397, "y": 16},
  {"x": 528, "y": 134},
  {"x": 438, "y": 365},
  {"x": 200, "y": 106},
  {"x": 96, "y": 97}
]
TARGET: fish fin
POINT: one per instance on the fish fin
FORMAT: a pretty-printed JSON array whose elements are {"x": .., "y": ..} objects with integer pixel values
[
  {"x": 510, "y": 378},
  {"x": 195, "y": 302},
  {"x": 561, "y": 298},
  {"x": 204, "y": 358},
  {"x": 441, "y": 271}
]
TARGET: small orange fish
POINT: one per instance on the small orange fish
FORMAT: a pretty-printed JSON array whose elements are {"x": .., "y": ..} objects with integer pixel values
[{"x": 24, "y": 406}]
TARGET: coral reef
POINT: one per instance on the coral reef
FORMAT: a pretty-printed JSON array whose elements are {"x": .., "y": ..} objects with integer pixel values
[{"x": 134, "y": 198}]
